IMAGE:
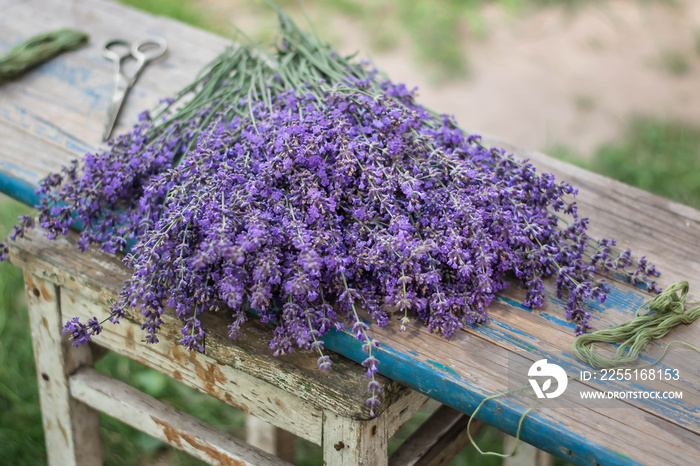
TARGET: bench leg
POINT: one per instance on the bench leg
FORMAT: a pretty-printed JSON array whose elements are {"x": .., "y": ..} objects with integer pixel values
[
  {"x": 349, "y": 442},
  {"x": 72, "y": 429},
  {"x": 269, "y": 438}
]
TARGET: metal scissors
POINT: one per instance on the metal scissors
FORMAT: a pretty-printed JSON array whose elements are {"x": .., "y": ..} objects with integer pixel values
[{"x": 138, "y": 55}]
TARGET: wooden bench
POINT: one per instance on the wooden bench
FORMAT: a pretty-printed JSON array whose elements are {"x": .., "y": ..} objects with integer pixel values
[
  {"x": 288, "y": 392},
  {"x": 56, "y": 113}
]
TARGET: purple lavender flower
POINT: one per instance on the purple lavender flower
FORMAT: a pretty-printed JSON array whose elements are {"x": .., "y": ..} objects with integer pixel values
[
  {"x": 321, "y": 197},
  {"x": 82, "y": 333}
]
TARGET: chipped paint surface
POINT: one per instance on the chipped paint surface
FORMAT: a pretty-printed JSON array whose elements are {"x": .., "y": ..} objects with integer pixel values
[
  {"x": 444, "y": 368},
  {"x": 175, "y": 437},
  {"x": 458, "y": 392}
]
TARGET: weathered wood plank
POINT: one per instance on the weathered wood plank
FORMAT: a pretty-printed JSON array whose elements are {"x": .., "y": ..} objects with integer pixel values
[
  {"x": 71, "y": 429},
  {"x": 555, "y": 429},
  {"x": 99, "y": 276},
  {"x": 260, "y": 434},
  {"x": 95, "y": 276},
  {"x": 350, "y": 442},
  {"x": 486, "y": 374},
  {"x": 15, "y": 162},
  {"x": 269, "y": 438},
  {"x": 342, "y": 389},
  {"x": 65, "y": 101},
  {"x": 202, "y": 372},
  {"x": 164, "y": 422},
  {"x": 402, "y": 410},
  {"x": 475, "y": 363},
  {"x": 437, "y": 440}
]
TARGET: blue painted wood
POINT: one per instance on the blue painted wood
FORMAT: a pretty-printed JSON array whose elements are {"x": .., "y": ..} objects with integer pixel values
[
  {"x": 80, "y": 75},
  {"x": 18, "y": 189},
  {"x": 448, "y": 388}
]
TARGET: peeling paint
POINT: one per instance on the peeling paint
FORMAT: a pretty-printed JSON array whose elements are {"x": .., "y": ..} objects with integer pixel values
[
  {"x": 444, "y": 368},
  {"x": 129, "y": 338},
  {"x": 175, "y": 437},
  {"x": 45, "y": 294},
  {"x": 45, "y": 323}
]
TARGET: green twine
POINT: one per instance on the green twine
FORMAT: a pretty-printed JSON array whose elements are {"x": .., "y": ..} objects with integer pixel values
[
  {"x": 517, "y": 432},
  {"x": 667, "y": 310},
  {"x": 37, "y": 50}
]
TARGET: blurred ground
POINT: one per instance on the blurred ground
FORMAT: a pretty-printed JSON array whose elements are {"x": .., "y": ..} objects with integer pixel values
[{"x": 538, "y": 77}]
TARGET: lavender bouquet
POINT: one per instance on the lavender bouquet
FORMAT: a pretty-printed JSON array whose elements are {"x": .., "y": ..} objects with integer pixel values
[{"x": 308, "y": 188}]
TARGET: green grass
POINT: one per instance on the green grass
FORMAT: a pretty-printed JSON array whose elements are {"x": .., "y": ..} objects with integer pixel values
[
  {"x": 185, "y": 11},
  {"x": 21, "y": 431},
  {"x": 661, "y": 157},
  {"x": 658, "y": 156},
  {"x": 674, "y": 63},
  {"x": 436, "y": 30}
]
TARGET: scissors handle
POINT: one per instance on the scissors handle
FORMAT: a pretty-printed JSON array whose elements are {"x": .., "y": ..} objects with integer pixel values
[
  {"x": 120, "y": 52},
  {"x": 149, "y": 50}
]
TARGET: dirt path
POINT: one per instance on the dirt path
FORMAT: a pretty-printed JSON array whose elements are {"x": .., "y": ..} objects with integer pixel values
[{"x": 549, "y": 77}]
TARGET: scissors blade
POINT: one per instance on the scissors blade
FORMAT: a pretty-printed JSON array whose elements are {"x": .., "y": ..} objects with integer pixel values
[{"x": 121, "y": 89}]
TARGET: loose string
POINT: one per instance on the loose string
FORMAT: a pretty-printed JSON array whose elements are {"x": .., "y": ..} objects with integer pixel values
[
  {"x": 666, "y": 311},
  {"x": 517, "y": 432},
  {"x": 37, "y": 50}
]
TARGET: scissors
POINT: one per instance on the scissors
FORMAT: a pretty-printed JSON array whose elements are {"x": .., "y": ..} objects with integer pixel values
[{"x": 121, "y": 52}]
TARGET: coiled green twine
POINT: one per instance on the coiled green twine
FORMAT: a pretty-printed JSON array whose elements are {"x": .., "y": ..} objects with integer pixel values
[
  {"x": 666, "y": 311},
  {"x": 37, "y": 50}
]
